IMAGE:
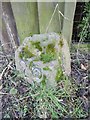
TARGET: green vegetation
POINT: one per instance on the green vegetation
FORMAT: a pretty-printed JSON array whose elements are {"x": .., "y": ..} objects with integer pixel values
[
  {"x": 13, "y": 91},
  {"x": 36, "y": 99},
  {"x": 49, "y": 55},
  {"x": 50, "y": 49},
  {"x": 46, "y": 68},
  {"x": 43, "y": 82},
  {"x": 59, "y": 74},
  {"x": 82, "y": 47},
  {"x": 36, "y": 45},
  {"x": 26, "y": 53},
  {"x": 61, "y": 43},
  {"x": 84, "y": 25},
  {"x": 31, "y": 64}
]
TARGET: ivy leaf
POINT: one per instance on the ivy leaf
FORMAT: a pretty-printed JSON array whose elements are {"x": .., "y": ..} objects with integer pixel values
[{"x": 13, "y": 91}]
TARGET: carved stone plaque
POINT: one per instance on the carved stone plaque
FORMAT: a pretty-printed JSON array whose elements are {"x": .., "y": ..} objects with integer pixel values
[{"x": 40, "y": 58}]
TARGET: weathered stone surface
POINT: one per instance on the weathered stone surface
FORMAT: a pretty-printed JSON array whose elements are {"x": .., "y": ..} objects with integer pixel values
[{"x": 40, "y": 58}]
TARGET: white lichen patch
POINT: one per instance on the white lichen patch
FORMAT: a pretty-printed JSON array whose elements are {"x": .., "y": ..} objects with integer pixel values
[{"x": 39, "y": 58}]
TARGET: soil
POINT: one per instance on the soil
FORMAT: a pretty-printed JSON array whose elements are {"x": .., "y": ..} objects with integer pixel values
[{"x": 81, "y": 76}]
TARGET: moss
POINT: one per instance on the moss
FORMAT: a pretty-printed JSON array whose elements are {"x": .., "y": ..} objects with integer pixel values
[
  {"x": 21, "y": 55},
  {"x": 47, "y": 57},
  {"x": 46, "y": 68},
  {"x": 50, "y": 48},
  {"x": 31, "y": 34},
  {"x": 37, "y": 45},
  {"x": 25, "y": 53},
  {"x": 59, "y": 74},
  {"x": 61, "y": 43}
]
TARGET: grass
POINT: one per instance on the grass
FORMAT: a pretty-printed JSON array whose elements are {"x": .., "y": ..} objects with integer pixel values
[
  {"x": 23, "y": 100},
  {"x": 82, "y": 47},
  {"x": 59, "y": 75},
  {"x": 37, "y": 100}
]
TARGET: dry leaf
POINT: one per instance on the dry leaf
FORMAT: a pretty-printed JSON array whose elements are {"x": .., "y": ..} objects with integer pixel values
[{"x": 83, "y": 67}]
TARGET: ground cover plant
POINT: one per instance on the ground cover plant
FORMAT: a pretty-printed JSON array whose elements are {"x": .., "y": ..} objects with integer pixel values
[{"x": 20, "y": 99}]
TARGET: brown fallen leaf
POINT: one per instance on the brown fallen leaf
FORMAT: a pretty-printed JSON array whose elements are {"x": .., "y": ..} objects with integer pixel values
[{"x": 83, "y": 67}]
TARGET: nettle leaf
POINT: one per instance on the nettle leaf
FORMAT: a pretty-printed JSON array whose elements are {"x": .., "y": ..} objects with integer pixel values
[{"x": 13, "y": 91}]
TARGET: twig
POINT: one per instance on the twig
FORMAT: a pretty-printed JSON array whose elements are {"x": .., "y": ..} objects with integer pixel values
[
  {"x": 77, "y": 70},
  {"x": 6, "y": 68},
  {"x": 1, "y": 75},
  {"x": 24, "y": 98},
  {"x": 63, "y": 16},
  {"x": 57, "y": 6},
  {"x": 51, "y": 18},
  {"x": 1, "y": 93}
]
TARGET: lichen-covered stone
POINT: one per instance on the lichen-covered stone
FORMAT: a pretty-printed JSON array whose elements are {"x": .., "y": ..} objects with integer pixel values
[{"x": 39, "y": 58}]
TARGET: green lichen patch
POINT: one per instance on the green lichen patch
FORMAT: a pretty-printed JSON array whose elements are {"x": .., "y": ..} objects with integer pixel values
[
  {"x": 26, "y": 53},
  {"x": 37, "y": 45},
  {"x": 59, "y": 74},
  {"x": 47, "y": 57},
  {"x": 50, "y": 48},
  {"x": 46, "y": 68}
]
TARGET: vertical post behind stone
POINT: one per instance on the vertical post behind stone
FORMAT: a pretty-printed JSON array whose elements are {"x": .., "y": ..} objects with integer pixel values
[
  {"x": 26, "y": 17},
  {"x": 45, "y": 12},
  {"x": 9, "y": 30},
  {"x": 69, "y": 11}
]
